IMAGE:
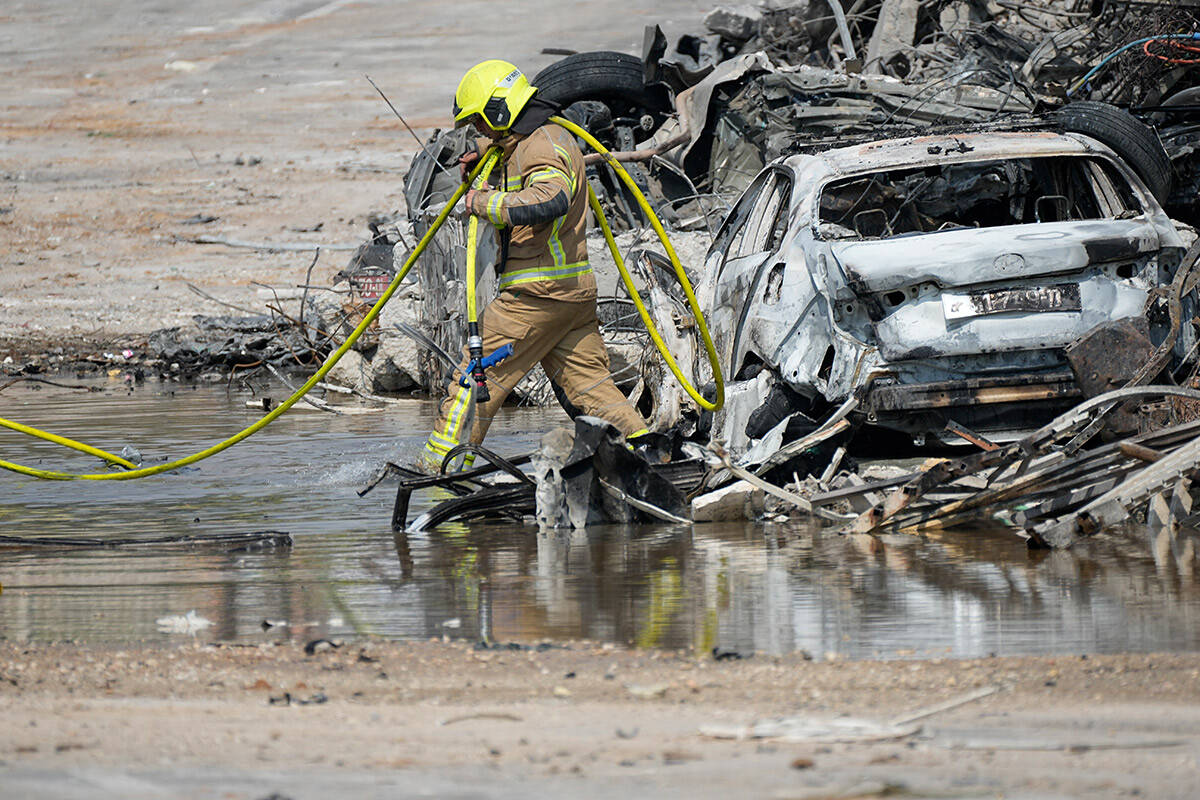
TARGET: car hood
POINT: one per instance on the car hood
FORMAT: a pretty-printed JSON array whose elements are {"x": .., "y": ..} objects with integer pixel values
[{"x": 967, "y": 256}]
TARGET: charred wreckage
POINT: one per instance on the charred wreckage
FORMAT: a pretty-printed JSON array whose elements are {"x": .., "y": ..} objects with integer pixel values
[{"x": 964, "y": 225}]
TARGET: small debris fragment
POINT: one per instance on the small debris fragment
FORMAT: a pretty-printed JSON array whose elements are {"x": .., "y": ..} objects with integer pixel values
[
  {"x": 483, "y": 715},
  {"x": 647, "y": 692},
  {"x": 673, "y": 757},
  {"x": 288, "y": 699},
  {"x": 738, "y": 23},
  {"x": 320, "y": 645},
  {"x": 191, "y": 622},
  {"x": 723, "y": 654},
  {"x": 814, "y": 729}
]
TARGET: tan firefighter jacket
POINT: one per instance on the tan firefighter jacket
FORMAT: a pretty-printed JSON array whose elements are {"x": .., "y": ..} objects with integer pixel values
[{"x": 541, "y": 208}]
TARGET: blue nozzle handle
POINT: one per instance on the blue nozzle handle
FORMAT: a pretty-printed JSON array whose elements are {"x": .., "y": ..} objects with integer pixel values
[{"x": 498, "y": 355}]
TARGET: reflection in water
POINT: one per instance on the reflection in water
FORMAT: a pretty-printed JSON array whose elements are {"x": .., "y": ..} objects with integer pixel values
[
  {"x": 738, "y": 587},
  {"x": 777, "y": 590}
]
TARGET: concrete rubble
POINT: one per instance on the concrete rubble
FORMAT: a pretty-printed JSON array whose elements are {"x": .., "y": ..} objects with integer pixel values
[{"x": 738, "y": 500}]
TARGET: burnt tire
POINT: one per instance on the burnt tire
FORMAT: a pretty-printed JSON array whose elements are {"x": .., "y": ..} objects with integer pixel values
[
  {"x": 1135, "y": 142},
  {"x": 1187, "y": 97},
  {"x": 598, "y": 75}
]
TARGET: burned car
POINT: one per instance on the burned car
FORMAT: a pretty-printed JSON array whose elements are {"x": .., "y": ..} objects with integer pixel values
[{"x": 933, "y": 281}]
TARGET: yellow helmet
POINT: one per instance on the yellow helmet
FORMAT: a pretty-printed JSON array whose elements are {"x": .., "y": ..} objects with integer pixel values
[{"x": 495, "y": 90}]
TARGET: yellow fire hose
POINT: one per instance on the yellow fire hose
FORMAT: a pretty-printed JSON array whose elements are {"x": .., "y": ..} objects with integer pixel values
[
  {"x": 65, "y": 442},
  {"x": 474, "y": 341},
  {"x": 275, "y": 413},
  {"x": 482, "y": 168},
  {"x": 710, "y": 349}
]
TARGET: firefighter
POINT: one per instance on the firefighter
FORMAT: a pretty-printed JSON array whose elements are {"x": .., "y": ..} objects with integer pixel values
[{"x": 546, "y": 306}]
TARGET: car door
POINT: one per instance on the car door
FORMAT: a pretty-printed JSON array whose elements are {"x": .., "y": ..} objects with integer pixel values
[{"x": 746, "y": 246}]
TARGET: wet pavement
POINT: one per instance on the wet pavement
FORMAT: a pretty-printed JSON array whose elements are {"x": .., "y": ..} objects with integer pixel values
[{"x": 740, "y": 588}]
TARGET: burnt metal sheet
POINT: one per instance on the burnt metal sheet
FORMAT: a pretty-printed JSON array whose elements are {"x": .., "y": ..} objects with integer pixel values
[
  {"x": 1104, "y": 359},
  {"x": 970, "y": 392},
  {"x": 1056, "y": 297}
]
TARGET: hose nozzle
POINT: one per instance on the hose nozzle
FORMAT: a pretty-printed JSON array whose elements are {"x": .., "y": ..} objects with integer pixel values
[
  {"x": 477, "y": 365},
  {"x": 475, "y": 351}
]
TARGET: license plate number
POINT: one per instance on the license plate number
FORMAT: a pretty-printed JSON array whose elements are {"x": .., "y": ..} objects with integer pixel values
[{"x": 1060, "y": 297}]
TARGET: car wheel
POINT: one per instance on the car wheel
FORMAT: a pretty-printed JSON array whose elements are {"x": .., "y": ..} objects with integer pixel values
[
  {"x": 1138, "y": 144},
  {"x": 599, "y": 75}
]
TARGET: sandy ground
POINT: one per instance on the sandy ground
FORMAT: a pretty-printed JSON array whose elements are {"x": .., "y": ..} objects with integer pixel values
[
  {"x": 447, "y": 720},
  {"x": 120, "y": 120}
]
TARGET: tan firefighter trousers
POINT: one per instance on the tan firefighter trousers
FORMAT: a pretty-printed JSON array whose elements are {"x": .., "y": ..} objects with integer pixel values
[{"x": 565, "y": 338}]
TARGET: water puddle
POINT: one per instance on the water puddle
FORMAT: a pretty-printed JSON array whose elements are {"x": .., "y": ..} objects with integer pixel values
[{"x": 738, "y": 588}]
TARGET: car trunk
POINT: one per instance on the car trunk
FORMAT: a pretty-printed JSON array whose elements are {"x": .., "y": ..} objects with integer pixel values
[
  {"x": 968, "y": 256},
  {"x": 989, "y": 290}
]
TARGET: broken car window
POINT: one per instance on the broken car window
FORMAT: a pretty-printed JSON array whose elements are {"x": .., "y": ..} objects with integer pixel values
[
  {"x": 986, "y": 194},
  {"x": 758, "y": 220},
  {"x": 733, "y": 230},
  {"x": 768, "y": 218},
  {"x": 1116, "y": 191}
]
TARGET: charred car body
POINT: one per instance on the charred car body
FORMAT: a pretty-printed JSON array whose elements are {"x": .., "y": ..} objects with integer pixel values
[{"x": 932, "y": 280}]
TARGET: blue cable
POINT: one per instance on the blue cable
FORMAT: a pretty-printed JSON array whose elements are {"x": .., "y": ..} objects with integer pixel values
[{"x": 1092, "y": 72}]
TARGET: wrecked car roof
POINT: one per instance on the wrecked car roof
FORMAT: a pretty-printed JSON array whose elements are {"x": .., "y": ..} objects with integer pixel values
[{"x": 943, "y": 148}]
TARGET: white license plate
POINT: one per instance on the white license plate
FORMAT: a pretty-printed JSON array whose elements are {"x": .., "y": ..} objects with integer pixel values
[{"x": 1060, "y": 297}]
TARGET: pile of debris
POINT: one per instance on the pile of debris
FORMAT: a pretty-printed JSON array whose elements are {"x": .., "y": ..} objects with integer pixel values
[
  {"x": 999, "y": 82},
  {"x": 1046, "y": 486},
  {"x": 580, "y": 476},
  {"x": 765, "y": 81},
  {"x": 696, "y": 120},
  {"x": 219, "y": 345},
  {"x": 303, "y": 324}
]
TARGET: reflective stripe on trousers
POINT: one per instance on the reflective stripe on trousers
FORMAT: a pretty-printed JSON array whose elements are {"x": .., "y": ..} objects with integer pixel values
[{"x": 442, "y": 442}]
